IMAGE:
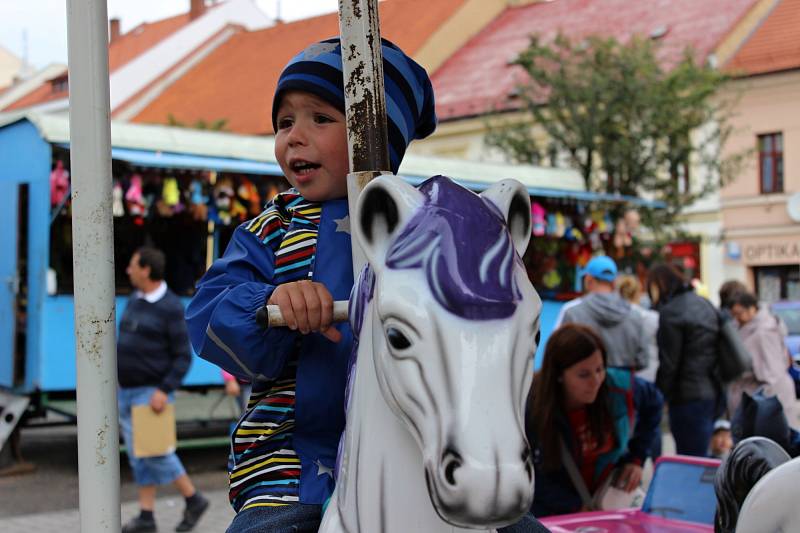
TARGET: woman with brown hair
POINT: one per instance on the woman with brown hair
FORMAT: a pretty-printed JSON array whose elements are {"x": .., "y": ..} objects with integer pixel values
[
  {"x": 688, "y": 335},
  {"x": 604, "y": 418}
]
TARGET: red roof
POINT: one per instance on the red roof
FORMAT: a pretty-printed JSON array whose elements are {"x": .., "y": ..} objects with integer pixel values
[
  {"x": 46, "y": 92},
  {"x": 477, "y": 78},
  {"x": 121, "y": 51},
  {"x": 774, "y": 45},
  {"x": 236, "y": 81},
  {"x": 142, "y": 38}
]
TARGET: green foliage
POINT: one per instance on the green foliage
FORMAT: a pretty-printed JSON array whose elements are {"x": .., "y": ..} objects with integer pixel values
[
  {"x": 219, "y": 124},
  {"x": 624, "y": 121}
]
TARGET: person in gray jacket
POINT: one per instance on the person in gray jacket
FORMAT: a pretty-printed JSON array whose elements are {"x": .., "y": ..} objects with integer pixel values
[{"x": 603, "y": 309}]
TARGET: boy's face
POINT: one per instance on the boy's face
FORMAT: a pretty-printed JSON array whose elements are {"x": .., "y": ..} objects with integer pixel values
[{"x": 311, "y": 146}]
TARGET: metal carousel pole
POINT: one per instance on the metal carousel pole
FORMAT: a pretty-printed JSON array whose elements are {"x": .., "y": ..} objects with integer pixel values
[
  {"x": 93, "y": 261},
  {"x": 365, "y": 101}
]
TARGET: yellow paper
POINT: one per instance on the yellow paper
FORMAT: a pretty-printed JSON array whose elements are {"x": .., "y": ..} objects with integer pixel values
[{"x": 153, "y": 433}]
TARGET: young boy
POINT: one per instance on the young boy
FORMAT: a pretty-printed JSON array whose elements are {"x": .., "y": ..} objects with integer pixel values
[{"x": 297, "y": 255}]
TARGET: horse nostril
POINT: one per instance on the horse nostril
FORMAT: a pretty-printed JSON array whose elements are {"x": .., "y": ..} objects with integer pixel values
[
  {"x": 526, "y": 458},
  {"x": 451, "y": 461}
]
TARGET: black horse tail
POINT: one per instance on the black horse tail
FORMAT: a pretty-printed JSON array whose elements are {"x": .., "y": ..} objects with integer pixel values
[{"x": 747, "y": 463}]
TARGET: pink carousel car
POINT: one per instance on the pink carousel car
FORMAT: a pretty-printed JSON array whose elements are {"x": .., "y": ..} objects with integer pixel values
[{"x": 680, "y": 499}]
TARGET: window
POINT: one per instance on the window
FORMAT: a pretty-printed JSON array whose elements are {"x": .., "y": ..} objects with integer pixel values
[
  {"x": 770, "y": 162},
  {"x": 60, "y": 84}
]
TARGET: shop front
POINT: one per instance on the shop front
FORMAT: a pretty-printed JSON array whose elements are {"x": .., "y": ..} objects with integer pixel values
[{"x": 771, "y": 265}]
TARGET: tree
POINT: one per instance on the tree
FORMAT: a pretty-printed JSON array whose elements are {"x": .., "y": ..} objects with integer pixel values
[
  {"x": 219, "y": 124},
  {"x": 624, "y": 121}
]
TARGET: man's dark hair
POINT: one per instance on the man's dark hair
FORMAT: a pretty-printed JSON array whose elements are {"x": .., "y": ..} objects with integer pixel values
[
  {"x": 153, "y": 258},
  {"x": 745, "y": 299}
]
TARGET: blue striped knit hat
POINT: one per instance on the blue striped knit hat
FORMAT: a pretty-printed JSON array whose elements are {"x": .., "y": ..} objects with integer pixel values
[{"x": 409, "y": 94}]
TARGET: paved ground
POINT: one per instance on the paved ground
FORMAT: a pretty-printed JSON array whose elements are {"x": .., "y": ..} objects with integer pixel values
[
  {"x": 168, "y": 514},
  {"x": 47, "y": 500}
]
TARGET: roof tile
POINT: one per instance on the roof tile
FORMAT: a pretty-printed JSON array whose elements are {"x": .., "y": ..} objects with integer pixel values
[
  {"x": 774, "y": 46},
  {"x": 478, "y": 78},
  {"x": 142, "y": 38},
  {"x": 236, "y": 82}
]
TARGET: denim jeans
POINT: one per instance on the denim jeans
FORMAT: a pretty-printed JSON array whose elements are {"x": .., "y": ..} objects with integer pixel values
[
  {"x": 301, "y": 518},
  {"x": 149, "y": 470},
  {"x": 296, "y": 518},
  {"x": 691, "y": 424}
]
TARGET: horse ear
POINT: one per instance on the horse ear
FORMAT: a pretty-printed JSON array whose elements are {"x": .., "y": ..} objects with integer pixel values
[
  {"x": 383, "y": 208},
  {"x": 512, "y": 199}
]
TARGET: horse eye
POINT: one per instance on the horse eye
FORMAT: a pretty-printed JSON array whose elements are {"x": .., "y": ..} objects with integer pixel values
[
  {"x": 538, "y": 336},
  {"x": 397, "y": 339}
]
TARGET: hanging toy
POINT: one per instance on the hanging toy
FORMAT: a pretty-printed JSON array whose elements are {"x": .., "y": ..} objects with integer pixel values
[
  {"x": 538, "y": 219},
  {"x": 248, "y": 196},
  {"x": 585, "y": 255},
  {"x": 223, "y": 200},
  {"x": 59, "y": 184},
  {"x": 551, "y": 224},
  {"x": 134, "y": 199},
  {"x": 198, "y": 201},
  {"x": 117, "y": 207},
  {"x": 609, "y": 223},
  {"x": 560, "y": 225},
  {"x": 170, "y": 193},
  {"x": 551, "y": 279},
  {"x": 272, "y": 192}
]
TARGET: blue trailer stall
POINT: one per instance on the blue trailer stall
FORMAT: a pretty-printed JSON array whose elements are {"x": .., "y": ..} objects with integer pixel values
[{"x": 183, "y": 191}]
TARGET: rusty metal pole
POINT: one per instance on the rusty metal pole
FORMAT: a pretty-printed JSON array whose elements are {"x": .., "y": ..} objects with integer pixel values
[
  {"x": 93, "y": 259},
  {"x": 365, "y": 101}
]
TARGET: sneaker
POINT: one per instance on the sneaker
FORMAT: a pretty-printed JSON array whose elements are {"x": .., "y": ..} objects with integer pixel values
[
  {"x": 192, "y": 514},
  {"x": 139, "y": 525}
]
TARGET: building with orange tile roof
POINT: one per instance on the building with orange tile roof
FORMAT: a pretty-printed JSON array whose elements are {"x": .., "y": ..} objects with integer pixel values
[
  {"x": 237, "y": 80},
  {"x": 761, "y": 206},
  {"x": 148, "y": 54}
]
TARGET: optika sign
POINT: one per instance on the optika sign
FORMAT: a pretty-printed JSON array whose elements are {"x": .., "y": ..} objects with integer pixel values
[{"x": 772, "y": 252}]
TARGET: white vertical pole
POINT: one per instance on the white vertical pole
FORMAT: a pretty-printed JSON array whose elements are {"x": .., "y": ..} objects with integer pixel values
[{"x": 93, "y": 260}]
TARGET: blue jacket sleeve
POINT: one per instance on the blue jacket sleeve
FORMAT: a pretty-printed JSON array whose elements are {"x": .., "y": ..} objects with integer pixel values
[
  {"x": 221, "y": 315},
  {"x": 649, "y": 405}
]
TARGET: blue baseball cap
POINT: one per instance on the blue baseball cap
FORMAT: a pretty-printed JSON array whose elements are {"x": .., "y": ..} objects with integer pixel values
[{"x": 601, "y": 267}]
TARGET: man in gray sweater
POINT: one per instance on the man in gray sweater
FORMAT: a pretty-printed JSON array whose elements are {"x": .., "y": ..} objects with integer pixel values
[{"x": 613, "y": 318}]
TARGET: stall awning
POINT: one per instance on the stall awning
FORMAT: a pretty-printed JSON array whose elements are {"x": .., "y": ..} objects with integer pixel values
[
  {"x": 543, "y": 192},
  {"x": 189, "y": 161}
]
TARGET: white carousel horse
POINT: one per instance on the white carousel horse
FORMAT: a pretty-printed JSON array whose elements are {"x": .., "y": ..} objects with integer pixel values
[{"x": 445, "y": 320}]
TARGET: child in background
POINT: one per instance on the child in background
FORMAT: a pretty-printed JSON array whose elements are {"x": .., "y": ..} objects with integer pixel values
[
  {"x": 297, "y": 254},
  {"x": 721, "y": 440}
]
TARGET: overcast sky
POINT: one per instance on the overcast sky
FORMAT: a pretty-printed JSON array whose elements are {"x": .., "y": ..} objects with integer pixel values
[{"x": 43, "y": 23}]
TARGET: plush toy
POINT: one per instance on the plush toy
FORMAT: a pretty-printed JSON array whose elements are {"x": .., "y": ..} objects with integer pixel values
[
  {"x": 59, "y": 184},
  {"x": 117, "y": 207},
  {"x": 538, "y": 218},
  {"x": 198, "y": 201},
  {"x": 551, "y": 279},
  {"x": 223, "y": 200},
  {"x": 561, "y": 224},
  {"x": 134, "y": 199},
  {"x": 248, "y": 196},
  {"x": 170, "y": 193}
]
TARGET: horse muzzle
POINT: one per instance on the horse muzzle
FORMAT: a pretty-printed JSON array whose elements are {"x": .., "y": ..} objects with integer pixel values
[{"x": 469, "y": 493}]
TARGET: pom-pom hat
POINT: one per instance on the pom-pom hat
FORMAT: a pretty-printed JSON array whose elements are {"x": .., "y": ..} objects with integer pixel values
[{"x": 409, "y": 95}]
